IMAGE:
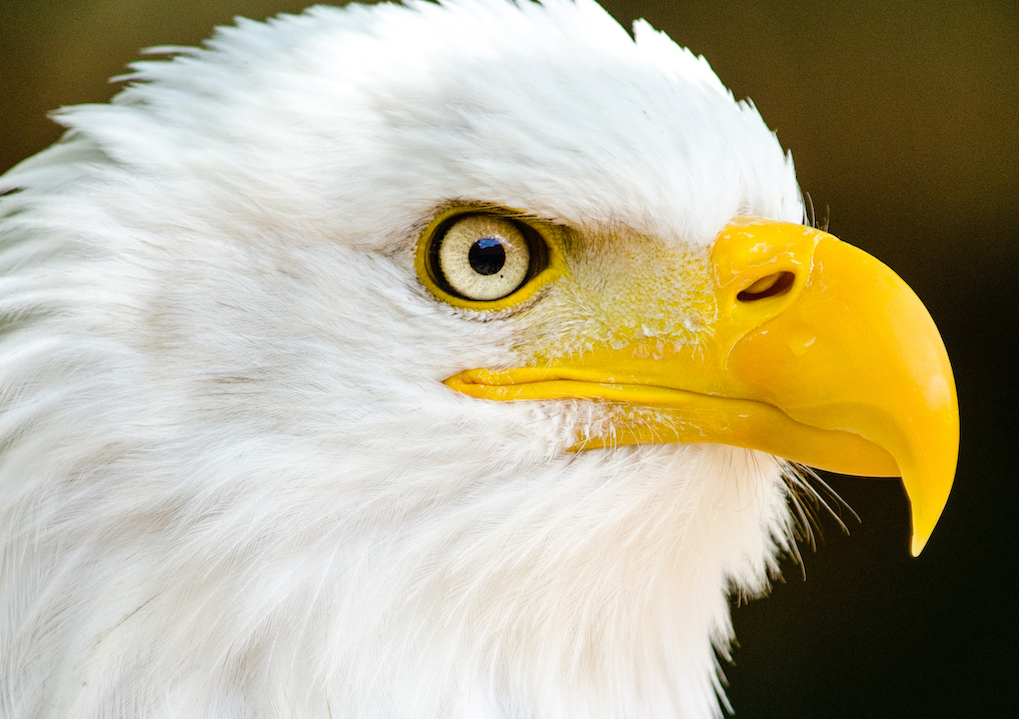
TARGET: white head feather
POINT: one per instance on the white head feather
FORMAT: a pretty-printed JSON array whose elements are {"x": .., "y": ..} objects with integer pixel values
[{"x": 232, "y": 483}]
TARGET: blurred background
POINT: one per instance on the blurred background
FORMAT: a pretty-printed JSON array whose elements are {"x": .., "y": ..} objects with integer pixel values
[{"x": 903, "y": 120}]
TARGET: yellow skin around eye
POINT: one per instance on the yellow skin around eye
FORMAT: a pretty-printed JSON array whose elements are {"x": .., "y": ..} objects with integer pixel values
[{"x": 454, "y": 254}]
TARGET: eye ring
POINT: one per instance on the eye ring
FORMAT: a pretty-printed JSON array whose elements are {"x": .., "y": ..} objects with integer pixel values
[{"x": 492, "y": 260}]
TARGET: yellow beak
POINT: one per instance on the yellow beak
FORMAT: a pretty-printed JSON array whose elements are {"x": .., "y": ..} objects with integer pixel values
[{"x": 819, "y": 353}]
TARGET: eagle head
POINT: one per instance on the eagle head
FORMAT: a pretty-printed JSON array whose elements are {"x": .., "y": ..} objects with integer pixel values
[{"x": 439, "y": 360}]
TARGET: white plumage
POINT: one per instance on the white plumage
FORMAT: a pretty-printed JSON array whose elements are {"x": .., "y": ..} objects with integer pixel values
[{"x": 233, "y": 483}]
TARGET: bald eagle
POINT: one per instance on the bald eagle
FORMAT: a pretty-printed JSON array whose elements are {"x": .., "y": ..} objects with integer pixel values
[{"x": 441, "y": 360}]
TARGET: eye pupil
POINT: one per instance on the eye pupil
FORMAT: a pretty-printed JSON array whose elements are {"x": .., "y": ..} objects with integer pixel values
[{"x": 487, "y": 256}]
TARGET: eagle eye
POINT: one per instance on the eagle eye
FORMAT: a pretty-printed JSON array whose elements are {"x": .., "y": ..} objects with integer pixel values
[{"x": 484, "y": 258}]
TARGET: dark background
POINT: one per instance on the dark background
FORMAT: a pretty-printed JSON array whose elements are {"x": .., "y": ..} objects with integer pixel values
[{"x": 903, "y": 119}]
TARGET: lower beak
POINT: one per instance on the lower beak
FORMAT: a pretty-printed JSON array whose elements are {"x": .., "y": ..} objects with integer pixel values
[{"x": 819, "y": 353}]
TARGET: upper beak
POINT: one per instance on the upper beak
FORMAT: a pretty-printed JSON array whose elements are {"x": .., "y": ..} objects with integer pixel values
[{"x": 819, "y": 353}]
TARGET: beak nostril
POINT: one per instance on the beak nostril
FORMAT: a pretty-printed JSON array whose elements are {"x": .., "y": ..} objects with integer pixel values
[{"x": 773, "y": 285}]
